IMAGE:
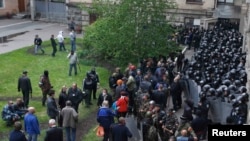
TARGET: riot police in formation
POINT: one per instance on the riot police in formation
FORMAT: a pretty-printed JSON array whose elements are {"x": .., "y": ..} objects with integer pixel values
[
  {"x": 213, "y": 82},
  {"x": 218, "y": 67}
]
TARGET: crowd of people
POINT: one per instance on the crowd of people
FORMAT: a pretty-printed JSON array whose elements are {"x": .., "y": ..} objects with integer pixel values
[
  {"x": 153, "y": 91},
  {"x": 217, "y": 70}
]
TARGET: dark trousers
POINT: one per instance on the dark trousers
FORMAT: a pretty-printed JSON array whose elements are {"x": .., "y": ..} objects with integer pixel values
[
  {"x": 44, "y": 97},
  {"x": 94, "y": 91},
  {"x": 62, "y": 47},
  {"x": 106, "y": 134},
  {"x": 88, "y": 97},
  {"x": 75, "y": 106},
  {"x": 121, "y": 114},
  {"x": 60, "y": 121},
  {"x": 54, "y": 51},
  {"x": 26, "y": 98},
  {"x": 179, "y": 67},
  {"x": 176, "y": 100}
]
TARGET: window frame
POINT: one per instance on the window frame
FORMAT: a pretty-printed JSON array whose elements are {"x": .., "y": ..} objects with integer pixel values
[
  {"x": 2, "y": 3},
  {"x": 59, "y": 1},
  {"x": 225, "y": 2},
  {"x": 194, "y": 1}
]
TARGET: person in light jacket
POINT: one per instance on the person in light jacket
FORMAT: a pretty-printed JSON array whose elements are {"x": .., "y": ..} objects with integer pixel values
[{"x": 70, "y": 118}]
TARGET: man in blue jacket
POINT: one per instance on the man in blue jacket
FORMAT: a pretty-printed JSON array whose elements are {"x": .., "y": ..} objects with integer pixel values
[
  {"x": 31, "y": 125},
  {"x": 105, "y": 117}
]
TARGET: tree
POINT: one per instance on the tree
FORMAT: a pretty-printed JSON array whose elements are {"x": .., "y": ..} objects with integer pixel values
[{"x": 129, "y": 30}]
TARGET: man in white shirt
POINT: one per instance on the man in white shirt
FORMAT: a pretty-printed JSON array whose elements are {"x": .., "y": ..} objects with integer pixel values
[
  {"x": 72, "y": 56},
  {"x": 60, "y": 40}
]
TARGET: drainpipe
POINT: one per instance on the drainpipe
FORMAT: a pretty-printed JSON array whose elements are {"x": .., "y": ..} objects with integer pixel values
[
  {"x": 32, "y": 10},
  {"x": 47, "y": 9}
]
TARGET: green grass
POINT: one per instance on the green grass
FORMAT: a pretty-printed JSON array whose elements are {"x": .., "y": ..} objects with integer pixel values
[{"x": 13, "y": 63}]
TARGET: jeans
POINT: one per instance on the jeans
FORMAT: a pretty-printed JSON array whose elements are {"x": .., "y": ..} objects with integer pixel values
[
  {"x": 70, "y": 133},
  {"x": 32, "y": 137},
  {"x": 38, "y": 47},
  {"x": 70, "y": 68},
  {"x": 73, "y": 45}
]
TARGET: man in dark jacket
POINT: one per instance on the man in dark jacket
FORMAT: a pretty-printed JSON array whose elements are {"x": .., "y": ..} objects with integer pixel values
[
  {"x": 17, "y": 134},
  {"x": 54, "y": 133},
  {"x": 38, "y": 44},
  {"x": 105, "y": 117},
  {"x": 176, "y": 91},
  {"x": 52, "y": 110},
  {"x": 24, "y": 85},
  {"x": 120, "y": 131},
  {"x": 75, "y": 95},
  {"x": 53, "y": 44},
  {"x": 96, "y": 81}
]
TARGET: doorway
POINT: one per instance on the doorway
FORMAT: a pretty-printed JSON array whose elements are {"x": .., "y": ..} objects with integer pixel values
[{"x": 21, "y": 5}]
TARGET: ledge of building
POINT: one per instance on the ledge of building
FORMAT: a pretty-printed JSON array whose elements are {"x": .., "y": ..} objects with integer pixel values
[{"x": 77, "y": 4}]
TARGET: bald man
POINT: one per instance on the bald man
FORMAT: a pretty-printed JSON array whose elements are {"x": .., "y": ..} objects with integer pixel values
[{"x": 54, "y": 132}]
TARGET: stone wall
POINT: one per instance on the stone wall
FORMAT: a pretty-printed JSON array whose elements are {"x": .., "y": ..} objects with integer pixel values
[{"x": 80, "y": 17}]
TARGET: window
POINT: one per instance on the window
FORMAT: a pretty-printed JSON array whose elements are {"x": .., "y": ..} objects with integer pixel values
[
  {"x": 226, "y": 1},
  {"x": 1, "y": 3},
  {"x": 189, "y": 21},
  {"x": 194, "y": 1},
  {"x": 58, "y": 1}
]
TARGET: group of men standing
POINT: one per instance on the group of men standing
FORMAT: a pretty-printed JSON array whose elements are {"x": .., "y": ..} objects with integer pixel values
[{"x": 60, "y": 40}]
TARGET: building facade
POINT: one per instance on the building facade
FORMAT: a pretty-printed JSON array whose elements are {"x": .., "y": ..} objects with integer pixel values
[{"x": 12, "y": 7}]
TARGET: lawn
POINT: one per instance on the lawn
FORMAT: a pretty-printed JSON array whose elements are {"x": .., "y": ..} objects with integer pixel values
[{"x": 13, "y": 63}]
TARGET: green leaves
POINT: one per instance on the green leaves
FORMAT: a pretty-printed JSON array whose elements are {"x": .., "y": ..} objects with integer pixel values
[{"x": 129, "y": 30}]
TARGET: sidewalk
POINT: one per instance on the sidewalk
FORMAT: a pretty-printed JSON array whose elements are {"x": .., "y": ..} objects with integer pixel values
[{"x": 23, "y": 33}]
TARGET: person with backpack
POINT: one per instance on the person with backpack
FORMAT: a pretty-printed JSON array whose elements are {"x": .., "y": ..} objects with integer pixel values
[
  {"x": 38, "y": 44},
  {"x": 96, "y": 81},
  {"x": 45, "y": 85}
]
